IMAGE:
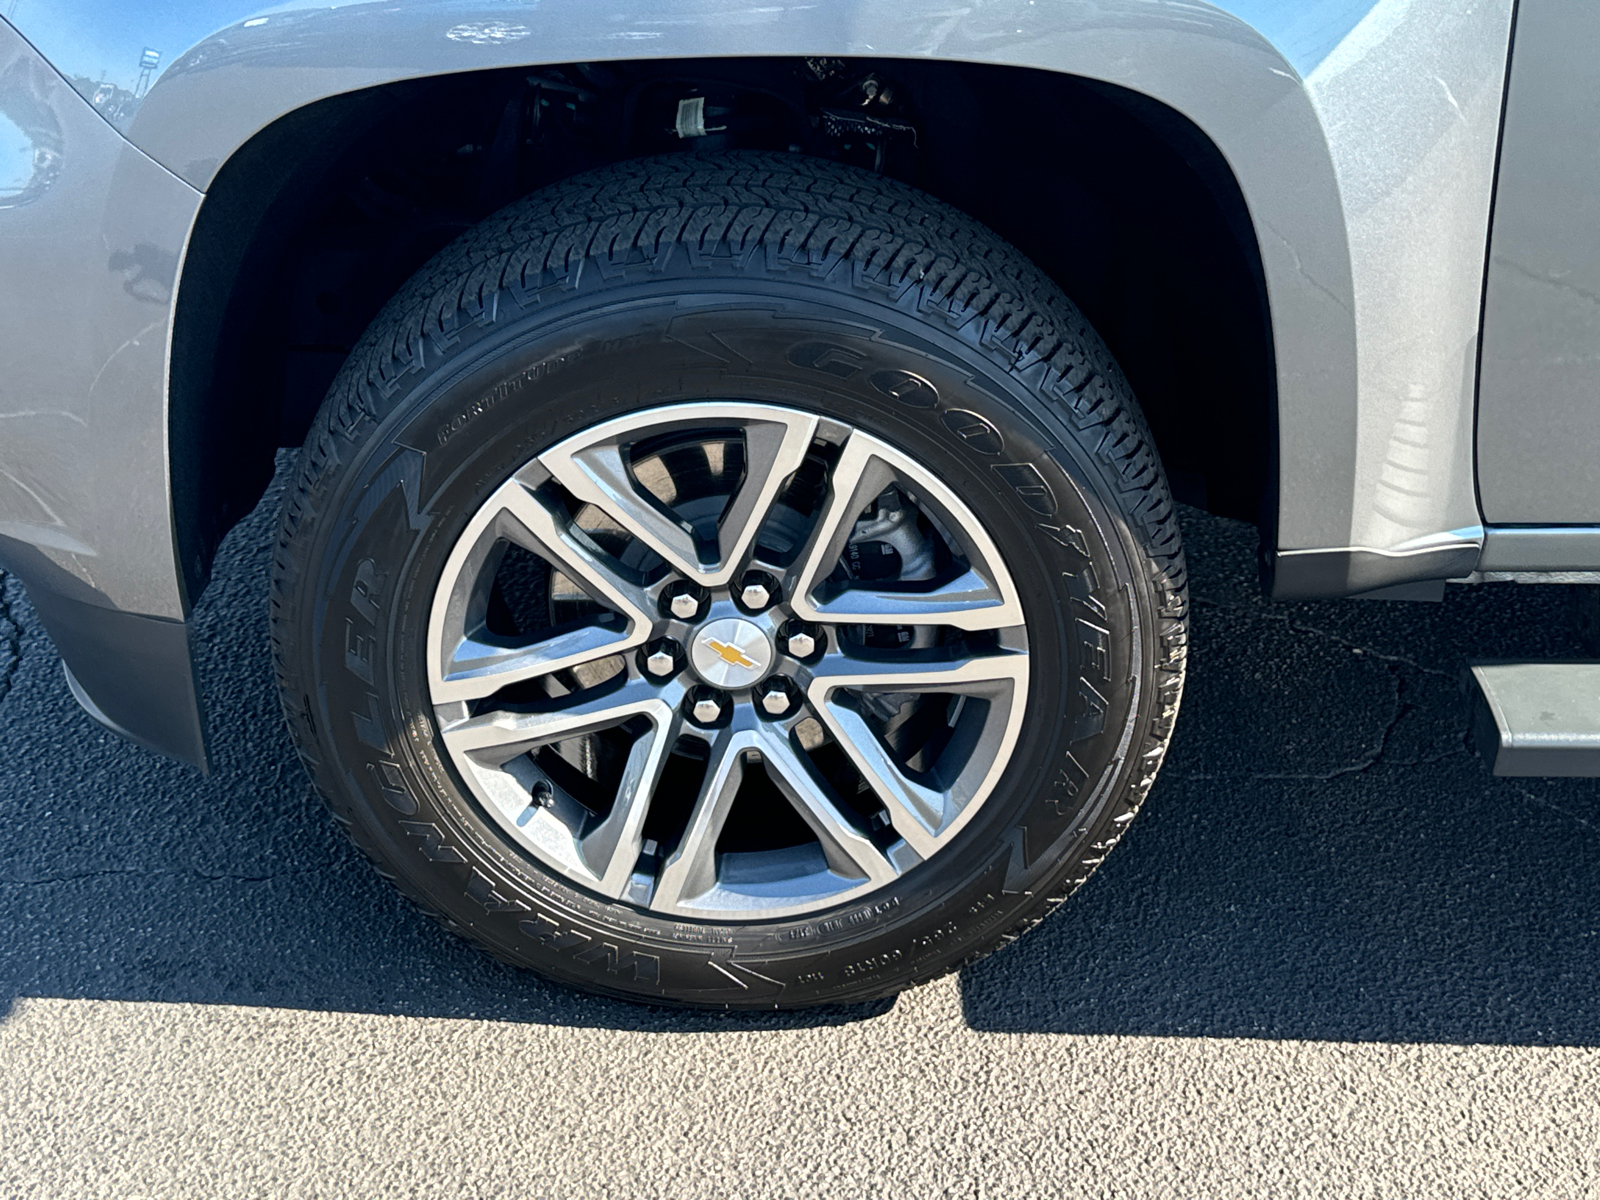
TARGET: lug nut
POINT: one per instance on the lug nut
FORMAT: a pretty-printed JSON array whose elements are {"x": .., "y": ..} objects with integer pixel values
[
  {"x": 800, "y": 640},
  {"x": 662, "y": 657},
  {"x": 683, "y": 600},
  {"x": 706, "y": 706},
  {"x": 757, "y": 590},
  {"x": 776, "y": 696}
]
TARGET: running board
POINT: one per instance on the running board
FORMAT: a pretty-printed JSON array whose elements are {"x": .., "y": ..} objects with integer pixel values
[{"x": 1537, "y": 718}]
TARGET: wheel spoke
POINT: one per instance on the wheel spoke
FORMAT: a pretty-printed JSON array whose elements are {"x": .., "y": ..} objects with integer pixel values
[
  {"x": 692, "y": 869},
  {"x": 483, "y": 665},
  {"x": 919, "y": 814},
  {"x": 856, "y": 479},
  {"x": 979, "y": 598},
  {"x": 536, "y": 528},
  {"x": 849, "y": 853},
  {"x": 594, "y": 467},
  {"x": 906, "y": 674},
  {"x": 493, "y": 739},
  {"x": 472, "y": 663},
  {"x": 611, "y": 851},
  {"x": 966, "y": 602}
]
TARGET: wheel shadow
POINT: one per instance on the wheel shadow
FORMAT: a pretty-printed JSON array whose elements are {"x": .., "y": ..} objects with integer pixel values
[
  {"x": 124, "y": 876},
  {"x": 1322, "y": 857}
]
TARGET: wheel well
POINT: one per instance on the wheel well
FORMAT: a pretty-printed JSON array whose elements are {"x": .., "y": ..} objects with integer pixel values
[{"x": 311, "y": 225}]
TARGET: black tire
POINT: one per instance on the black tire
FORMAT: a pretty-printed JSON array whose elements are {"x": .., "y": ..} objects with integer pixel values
[{"x": 570, "y": 294}]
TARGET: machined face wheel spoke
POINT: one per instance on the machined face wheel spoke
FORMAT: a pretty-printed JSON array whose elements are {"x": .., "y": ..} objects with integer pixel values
[
  {"x": 981, "y": 597},
  {"x": 496, "y": 737},
  {"x": 610, "y": 850},
  {"x": 483, "y": 665},
  {"x": 849, "y": 852},
  {"x": 535, "y": 527},
  {"x": 965, "y": 602},
  {"x": 828, "y": 763},
  {"x": 916, "y": 812},
  {"x": 692, "y": 869},
  {"x": 468, "y": 662},
  {"x": 927, "y": 673},
  {"x": 919, "y": 813},
  {"x": 594, "y": 468}
]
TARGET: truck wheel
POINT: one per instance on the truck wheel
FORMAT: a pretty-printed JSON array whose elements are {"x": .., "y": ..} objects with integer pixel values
[{"x": 733, "y": 580}]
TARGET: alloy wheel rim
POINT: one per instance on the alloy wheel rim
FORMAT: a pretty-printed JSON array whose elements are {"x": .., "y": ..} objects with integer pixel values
[{"x": 744, "y": 644}]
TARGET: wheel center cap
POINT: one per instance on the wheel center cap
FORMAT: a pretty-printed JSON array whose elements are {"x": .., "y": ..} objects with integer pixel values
[{"x": 731, "y": 653}]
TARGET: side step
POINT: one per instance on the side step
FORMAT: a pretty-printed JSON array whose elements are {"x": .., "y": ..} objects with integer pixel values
[{"x": 1538, "y": 718}]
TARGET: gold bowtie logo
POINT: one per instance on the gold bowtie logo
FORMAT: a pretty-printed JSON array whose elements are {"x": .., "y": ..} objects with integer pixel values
[{"x": 730, "y": 654}]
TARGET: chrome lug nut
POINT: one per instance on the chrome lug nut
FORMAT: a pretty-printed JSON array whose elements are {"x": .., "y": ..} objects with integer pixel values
[
  {"x": 757, "y": 590},
  {"x": 707, "y": 710},
  {"x": 661, "y": 659},
  {"x": 661, "y": 662},
  {"x": 776, "y": 696},
  {"x": 802, "y": 641},
  {"x": 682, "y": 600}
]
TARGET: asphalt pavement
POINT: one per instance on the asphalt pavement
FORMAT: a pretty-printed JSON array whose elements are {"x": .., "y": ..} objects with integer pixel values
[{"x": 1333, "y": 957}]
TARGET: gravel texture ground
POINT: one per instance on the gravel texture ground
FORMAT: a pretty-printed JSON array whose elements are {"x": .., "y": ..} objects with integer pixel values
[{"x": 1333, "y": 958}]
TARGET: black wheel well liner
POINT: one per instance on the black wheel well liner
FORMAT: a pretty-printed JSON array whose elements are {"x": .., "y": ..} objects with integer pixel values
[{"x": 1122, "y": 200}]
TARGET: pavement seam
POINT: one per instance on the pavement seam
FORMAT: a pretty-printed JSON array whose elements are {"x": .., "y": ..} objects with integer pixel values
[
  {"x": 1301, "y": 627},
  {"x": 1402, "y": 706}
]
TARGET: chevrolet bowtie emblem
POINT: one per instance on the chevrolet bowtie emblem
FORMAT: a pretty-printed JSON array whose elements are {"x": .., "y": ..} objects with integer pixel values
[{"x": 730, "y": 654}]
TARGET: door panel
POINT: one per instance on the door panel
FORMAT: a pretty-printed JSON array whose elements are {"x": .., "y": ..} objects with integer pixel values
[{"x": 1539, "y": 392}]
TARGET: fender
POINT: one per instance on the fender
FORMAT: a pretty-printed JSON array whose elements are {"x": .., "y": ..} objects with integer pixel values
[
  {"x": 1362, "y": 135},
  {"x": 91, "y": 240}
]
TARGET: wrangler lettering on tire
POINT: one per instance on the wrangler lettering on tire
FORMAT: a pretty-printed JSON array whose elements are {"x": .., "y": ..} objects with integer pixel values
[{"x": 731, "y": 580}]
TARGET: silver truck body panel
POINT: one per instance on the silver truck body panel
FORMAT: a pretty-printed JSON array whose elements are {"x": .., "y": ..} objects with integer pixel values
[
  {"x": 1540, "y": 548},
  {"x": 1362, "y": 134},
  {"x": 1539, "y": 403},
  {"x": 92, "y": 233},
  {"x": 89, "y": 252}
]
